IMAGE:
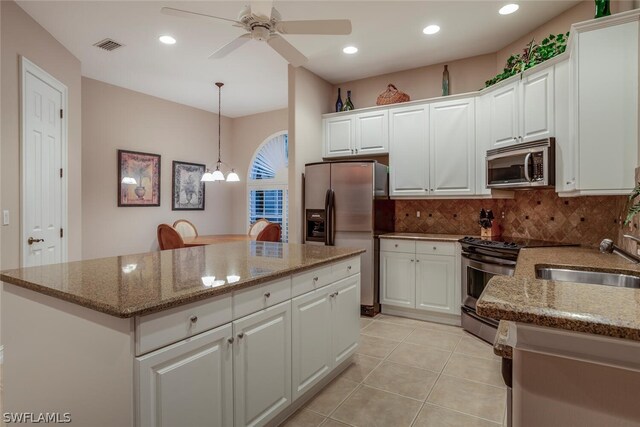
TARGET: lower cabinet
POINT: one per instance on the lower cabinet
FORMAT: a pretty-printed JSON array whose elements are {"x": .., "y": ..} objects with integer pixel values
[
  {"x": 435, "y": 283},
  {"x": 189, "y": 383},
  {"x": 345, "y": 318},
  {"x": 398, "y": 277},
  {"x": 262, "y": 365}
]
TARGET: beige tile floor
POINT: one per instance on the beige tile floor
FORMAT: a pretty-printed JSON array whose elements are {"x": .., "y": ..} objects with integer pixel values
[{"x": 411, "y": 373}]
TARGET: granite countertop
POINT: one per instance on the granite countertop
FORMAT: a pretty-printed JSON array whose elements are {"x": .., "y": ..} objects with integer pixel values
[
  {"x": 501, "y": 345},
  {"x": 595, "y": 309},
  {"x": 424, "y": 236},
  {"x": 133, "y": 285}
]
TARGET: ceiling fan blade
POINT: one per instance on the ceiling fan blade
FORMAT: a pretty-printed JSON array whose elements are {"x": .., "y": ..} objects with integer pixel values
[
  {"x": 186, "y": 14},
  {"x": 230, "y": 47},
  {"x": 287, "y": 51},
  {"x": 262, "y": 8},
  {"x": 326, "y": 27}
]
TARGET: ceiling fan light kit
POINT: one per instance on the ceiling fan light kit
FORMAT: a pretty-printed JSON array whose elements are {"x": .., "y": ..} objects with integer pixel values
[{"x": 264, "y": 23}]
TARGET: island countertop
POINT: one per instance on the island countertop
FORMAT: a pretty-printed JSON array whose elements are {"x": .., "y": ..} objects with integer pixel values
[
  {"x": 133, "y": 285},
  {"x": 595, "y": 309}
]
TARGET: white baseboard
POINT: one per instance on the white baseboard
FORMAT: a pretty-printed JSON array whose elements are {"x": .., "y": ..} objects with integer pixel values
[{"x": 447, "y": 319}]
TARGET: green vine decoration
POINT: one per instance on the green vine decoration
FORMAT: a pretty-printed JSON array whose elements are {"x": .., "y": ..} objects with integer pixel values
[
  {"x": 532, "y": 55},
  {"x": 634, "y": 207}
]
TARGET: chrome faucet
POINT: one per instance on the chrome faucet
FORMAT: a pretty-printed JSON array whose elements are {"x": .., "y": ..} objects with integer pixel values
[{"x": 607, "y": 246}]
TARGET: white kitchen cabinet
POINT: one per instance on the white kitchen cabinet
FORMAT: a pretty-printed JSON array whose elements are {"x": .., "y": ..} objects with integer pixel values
[
  {"x": 262, "y": 365},
  {"x": 339, "y": 136},
  {"x": 503, "y": 115},
  {"x": 565, "y": 147},
  {"x": 397, "y": 279},
  {"x": 372, "y": 133},
  {"x": 537, "y": 105},
  {"x": 345, "y": 315},
  {"x": 311, "y": 339},
  {"x": 188, "y": 383},
  {"x": 356, "y": 134},
  {"x": 435, "y": 284},
  {"x": 409, "y": 151},
  {"x": 452, "y": 147}
]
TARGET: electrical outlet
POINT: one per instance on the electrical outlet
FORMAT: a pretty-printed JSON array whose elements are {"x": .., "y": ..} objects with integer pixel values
[
  {"x": 5, "y": 217},
  {"x": 417, "y": 214}
]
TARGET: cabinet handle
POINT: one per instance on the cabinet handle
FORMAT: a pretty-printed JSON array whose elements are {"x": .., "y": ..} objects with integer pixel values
[
  {"x": 435, "y": 248},
  {"x": 267, "y": 294},
  {"x": 348, "y": 267},
  {"x": 412, "y": 260},
  {"x": 333, "y": 295},
  {"x": 241, "y": 335},
  {"x": 568, "y": 182},
  {"x": 417, "y": 260},
  {"x": 193, "y": 319},
  {"x": 315, "y": 279},
  {"x": 352, "y": 151},
  {"x": 396, "y": 245},
  {"x": 230, "y": 340},
  {"x": 515, "y": 138},
  {"x": 356, "y": 151}
]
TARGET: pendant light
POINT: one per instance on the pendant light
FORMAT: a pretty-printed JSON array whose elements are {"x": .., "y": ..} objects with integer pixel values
[{"x": 217, "y": 174}]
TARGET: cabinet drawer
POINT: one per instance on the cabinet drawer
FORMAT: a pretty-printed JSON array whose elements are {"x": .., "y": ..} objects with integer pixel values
[
  {"x": 436, "y": 248},
  {"x": 406, "y": 246},
  {"x": 256, "y": 298},
  {"x": 166, "y": 327},
  {"x": 311, "y": 280},
  {"x": 346, "y": 268}
]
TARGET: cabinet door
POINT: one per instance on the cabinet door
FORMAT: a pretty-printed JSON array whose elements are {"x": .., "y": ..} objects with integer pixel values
[
  {"x": 537, "y": 106},
  {"x": 483, "y": 142},
  {"x": 345, "y": 318},
  {"x": 311, "y": 339},
  {"x": 189, "y": 383},
  {"x": 452, "y": 147},
  {"x": 503, "y": 120},
  {"x": 565, "y": 142},
  {"x": 397, "y": 279},
  {"x": 435, "y": 284},
  {"x": 262, "y": 365},
  {"x": 372, "y": 133},
  {"x": 408, "y": 151},
  {"x": 339, "y": 136}
]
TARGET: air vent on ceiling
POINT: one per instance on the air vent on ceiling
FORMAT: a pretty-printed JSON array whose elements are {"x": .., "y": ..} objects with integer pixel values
[{"x": 108, "y": 44}]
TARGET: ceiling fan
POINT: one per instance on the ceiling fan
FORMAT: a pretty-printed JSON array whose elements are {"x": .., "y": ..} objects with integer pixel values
[{"x": 263, "y": 22}]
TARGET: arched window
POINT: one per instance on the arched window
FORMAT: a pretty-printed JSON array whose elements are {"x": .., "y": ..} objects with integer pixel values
[{"x": 267, "y": 183}]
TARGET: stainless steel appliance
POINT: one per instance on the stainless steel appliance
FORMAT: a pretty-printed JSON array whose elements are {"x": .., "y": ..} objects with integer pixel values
[
  {"x": 483, "y": 259},
  {"x": 341, "y": 200},
  {"x": 531, "y": 164}
]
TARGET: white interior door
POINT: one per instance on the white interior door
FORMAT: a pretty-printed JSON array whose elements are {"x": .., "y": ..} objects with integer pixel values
[{"x": 43, "y": 148}]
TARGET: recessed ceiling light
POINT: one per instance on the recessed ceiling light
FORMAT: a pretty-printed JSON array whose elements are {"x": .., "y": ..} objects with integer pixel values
[
  {"x": 431, "y": 29},
  {"x": 508, "y": 9},
  {"x": 167, "y": 40},
  {"x": 350, "y": 50}
]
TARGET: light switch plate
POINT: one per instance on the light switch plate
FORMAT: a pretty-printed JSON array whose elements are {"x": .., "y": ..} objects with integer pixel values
[{"x": 5, "y": 217}]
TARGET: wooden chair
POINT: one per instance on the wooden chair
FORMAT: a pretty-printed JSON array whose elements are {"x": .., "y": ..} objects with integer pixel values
[
  {"x": 169, "y": 238},
  {"x": 271, "y": 233},
  {"x": 258, "y": 226},
  {"x": 185, "y": 228}
]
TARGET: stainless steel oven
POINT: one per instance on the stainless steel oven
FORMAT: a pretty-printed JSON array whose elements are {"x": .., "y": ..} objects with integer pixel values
[{"x": 524, "y": 165}]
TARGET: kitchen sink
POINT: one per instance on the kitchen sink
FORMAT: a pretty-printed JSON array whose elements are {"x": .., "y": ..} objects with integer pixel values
[{"x": 591, "y": 277}]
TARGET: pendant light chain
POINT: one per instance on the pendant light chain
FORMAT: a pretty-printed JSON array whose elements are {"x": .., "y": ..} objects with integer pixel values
[{"x": 219, "y": 120}]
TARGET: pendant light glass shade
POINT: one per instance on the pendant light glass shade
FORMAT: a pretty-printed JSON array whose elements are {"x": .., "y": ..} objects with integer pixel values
[
  {"x": 217, "y": 175},
  {"x": 233, "y": 176},
  {"x": 207, "y": 177}
]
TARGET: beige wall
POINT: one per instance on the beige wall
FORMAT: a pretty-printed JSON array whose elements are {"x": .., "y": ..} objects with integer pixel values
[
  {"x": 309, "y": 98},
  {"x": 465, "y": 75},
  {"x": 21, "y": 35},
  {"x": 116, "y": 118},
  {"x": 248, "y": 133}
]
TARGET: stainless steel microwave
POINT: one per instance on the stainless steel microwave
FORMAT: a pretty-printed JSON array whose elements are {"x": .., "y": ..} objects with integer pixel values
[{"x": 526, "y": 165}]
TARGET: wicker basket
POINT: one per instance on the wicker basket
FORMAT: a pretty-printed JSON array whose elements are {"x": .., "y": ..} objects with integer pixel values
[{"x": 392, "y": 96}]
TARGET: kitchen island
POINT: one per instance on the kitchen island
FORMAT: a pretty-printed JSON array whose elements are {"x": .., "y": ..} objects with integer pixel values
[
  {"x": 575, "y": 347},
  {"x": 228, "y": 334}
]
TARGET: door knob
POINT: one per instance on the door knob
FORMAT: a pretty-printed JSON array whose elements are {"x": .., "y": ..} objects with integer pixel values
[{"x": 31, "y": 240}]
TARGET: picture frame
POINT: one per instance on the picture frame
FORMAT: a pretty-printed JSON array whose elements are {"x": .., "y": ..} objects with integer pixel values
[
  {"x": 188, "y": 191},
  {"x": 143, "y": 170}
]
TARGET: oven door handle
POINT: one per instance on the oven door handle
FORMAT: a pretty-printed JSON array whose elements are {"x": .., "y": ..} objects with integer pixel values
[
  {"x": 492, "y": 268},
  {"x": 485, "y": 259}
]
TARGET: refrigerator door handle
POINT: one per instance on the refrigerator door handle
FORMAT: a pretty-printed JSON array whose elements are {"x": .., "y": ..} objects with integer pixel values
[
  {"x": 330, "y": 218},
  {"x": 327, "y": 216}
]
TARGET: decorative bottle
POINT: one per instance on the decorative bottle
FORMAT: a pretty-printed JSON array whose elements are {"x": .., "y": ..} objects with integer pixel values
[
  {"x": 339, "y": 102},
  {"x": 348, "y": 105},
  {"x": 603, "y": 8},
  {"x": 445, "y": 81}
]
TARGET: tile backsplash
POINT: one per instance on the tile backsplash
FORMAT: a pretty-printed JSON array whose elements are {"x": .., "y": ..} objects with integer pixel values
[{"x": 535, "y": 214}]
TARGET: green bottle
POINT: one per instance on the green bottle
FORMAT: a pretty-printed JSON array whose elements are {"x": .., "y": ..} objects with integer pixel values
[
  {"x": 603, "y": 8},
  {"x": 445, "y": 81},
  {"x": 348, "y": 105}
]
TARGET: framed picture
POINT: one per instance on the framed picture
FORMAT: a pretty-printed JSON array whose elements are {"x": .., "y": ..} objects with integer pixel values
[
  {"x": 138, "y": 179},
  {"x": 188, "y": 190}
]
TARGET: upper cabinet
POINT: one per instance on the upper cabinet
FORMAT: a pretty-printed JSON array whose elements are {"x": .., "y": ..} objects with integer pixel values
[
  {"x": 362, "y": 134},
  {"x": 523, "y": 110},
  {"x": 409, "y": 153}
]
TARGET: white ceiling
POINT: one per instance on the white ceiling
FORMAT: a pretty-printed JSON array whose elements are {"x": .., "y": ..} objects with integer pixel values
[{"x": 388, "y": 34}]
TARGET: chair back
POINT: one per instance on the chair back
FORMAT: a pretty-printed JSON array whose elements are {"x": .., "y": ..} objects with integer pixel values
[
  {"x": 169, "y": 238},
  {"x": 258, "y": 226},
  {"x": 185, "y": 228},
  {"x": 271, "y": 233}
]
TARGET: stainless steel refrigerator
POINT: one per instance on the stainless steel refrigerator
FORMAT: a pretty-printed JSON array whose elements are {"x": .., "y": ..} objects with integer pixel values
[{"x": 343, "y": 204}]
